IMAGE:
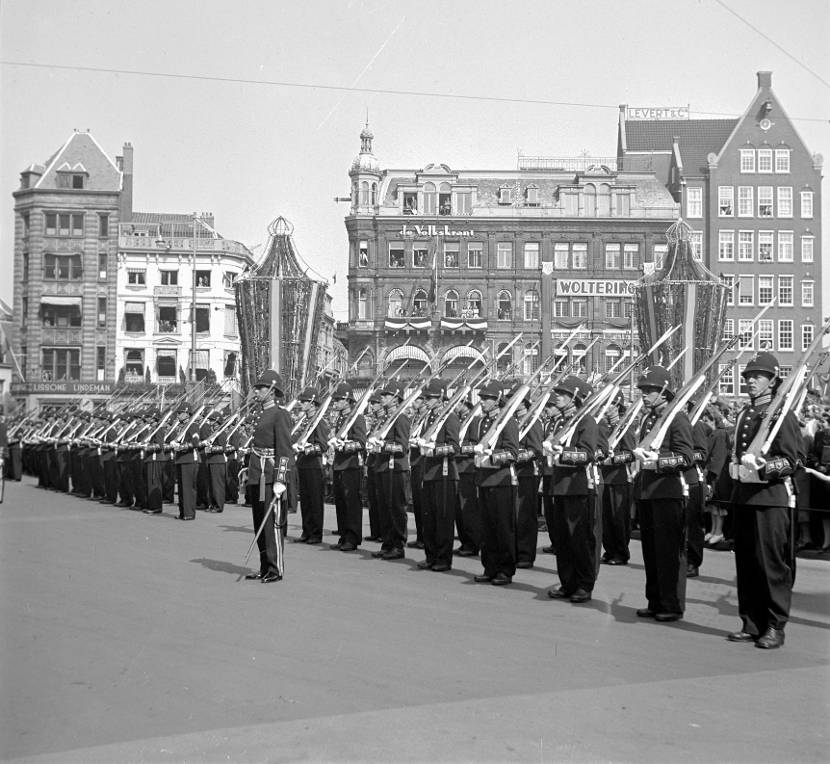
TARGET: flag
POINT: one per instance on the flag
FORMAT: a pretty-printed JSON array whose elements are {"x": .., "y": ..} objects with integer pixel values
[
  {"x": 433, "y": 278},
  {"x": 5, "y": 343}
]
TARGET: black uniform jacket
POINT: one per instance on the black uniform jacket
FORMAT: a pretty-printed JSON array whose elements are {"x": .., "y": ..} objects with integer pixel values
[
  {"x": 675, "y": 456},
  {"x": 530, "y": 451},
  {"x": 572, "y": 471},
  {"x": 442, "y": 464},
  {"x": 615, "y": 468},
  {"x": 271, "y": 436},
  {"x": 465, "y": 463},
  {"x": 394, "y": 453},
  {"x": 312, "y": 459},
  {"x": 350, "y": 456},
  {"x": 499, "y": 471}
]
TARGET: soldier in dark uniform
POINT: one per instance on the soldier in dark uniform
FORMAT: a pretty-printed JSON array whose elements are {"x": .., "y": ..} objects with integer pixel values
[
  {"x": 185, "y": 448},
  {"x": 348, "y": 463},
  {"x": 153, "y": 458},
  {"x": 528, "y": 476},
  {"x": 4, "y": 445},
  {"x": 696, "y": 479},
  {"x": 440, "y": 482},
  {"x": 311, "y": 450},
  {"x": 137, "y": 458},
  {"x": 416, "y": 474},
  {"x": 269, "y": 468},
  {"x": 573, "y": 487},
  {"x": 549, "y": 414},
  {"x": 109, "y": 463},
  {"x": 616, "y": 494},
  {"x": 662, "y": 494},
  {"x": 233, "y": 466},
  {"x": 391, "y": 466},
  {"x": 374, "y": 419},
  {"x": 216, "y": 461},
  {"x": 497, "y": 491},
  {"x": 202, "y": 472},
  {"x": 468, "y": 512},
  {"x": 14, "y": 464},
  {"x": 762, "y": 513}
]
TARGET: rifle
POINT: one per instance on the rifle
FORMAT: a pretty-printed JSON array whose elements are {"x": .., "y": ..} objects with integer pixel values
[{"x": 302, "y": 441}]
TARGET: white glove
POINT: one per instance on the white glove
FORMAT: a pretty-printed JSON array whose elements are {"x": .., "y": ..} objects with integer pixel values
[{"x": 279, "y": 489}]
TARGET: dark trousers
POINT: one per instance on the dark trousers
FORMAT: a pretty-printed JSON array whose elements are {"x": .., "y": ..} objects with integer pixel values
[
  {"x": 14, "y": 468},
  {"x": 694, "y": 525},
  {"x": 417, "y": 486},
  {"x": 575, "y": 526},
  {"x": 168, "y": 480},
  {"x": 139, "y": 483},
  {"x": 663, "y": 539},
  {"x": 392, "y": 509},
  {"x": 152, "y": 480},
  {"x": 764, "y": 565},
  {"x": 111, "y": 477},
  {"x": 498, "y": 529},
  {"x": 186, "y": 484},
  {"x": 348, "y": 506},
  {"x": 311, "y": 503},
  {"x": 99, "y": 485},
  {"x": 62, "y": 469},
  {"x": 232, "y": 481},
  {"x": 468, "y": 514},
  {"x": 527, "y": 524},
  {"x": 616, "y": 521},
  {"x": 271, "y": 542},
  {"x": 547, "y": 508},
  {"x": 125, "y": 482},
  {"x": 217, "y": 474},
  {"x": 374, "y": 503},
  {"x": 202, "y": 483},
  {"x": 438, "y": 516}
]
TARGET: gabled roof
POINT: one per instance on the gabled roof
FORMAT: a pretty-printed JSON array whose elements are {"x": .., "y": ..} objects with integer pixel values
[{"x": 83, "y": 149}]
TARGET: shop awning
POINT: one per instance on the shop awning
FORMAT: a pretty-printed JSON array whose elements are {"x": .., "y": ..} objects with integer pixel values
[
  {"x": 461, "y": 351},
  {"x": 62, "y": 300},
  {"x": 134, "y": 307},
  {"x": 407, "y": 352}
]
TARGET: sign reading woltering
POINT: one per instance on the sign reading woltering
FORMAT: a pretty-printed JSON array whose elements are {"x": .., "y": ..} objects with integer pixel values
[{"x": 594, "y": 288}]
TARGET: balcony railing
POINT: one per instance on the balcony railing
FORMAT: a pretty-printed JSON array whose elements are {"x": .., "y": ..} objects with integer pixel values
[
  {"x": 61, "y": 336},
  {"x": 183, "y": 244},
  {"x": 167, "y": 291}
]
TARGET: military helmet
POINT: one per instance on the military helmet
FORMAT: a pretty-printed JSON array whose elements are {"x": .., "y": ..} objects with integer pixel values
[
  {"x": 766, "y": 363},
  {"x": 657, "y": 377},
  {"x": 343, "y": 391},
  {"x": 493, "y": 389},
  {"x": 435, "y": 388},
  {"x": 309, "y": 395},
  {"x": 272, "y": 379}
]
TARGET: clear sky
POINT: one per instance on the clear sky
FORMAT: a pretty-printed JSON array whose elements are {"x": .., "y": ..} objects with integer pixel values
[{"x": 248, "y": 152}]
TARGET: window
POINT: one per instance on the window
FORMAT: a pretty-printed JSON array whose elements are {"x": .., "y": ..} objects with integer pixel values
[
  {"x": 764, "y": 246},
  {"x": 785, "y": 246},
  {"x": 612, "y": 357},
  {"x": 766, "y": 329},
  {"x": 630, "y": 256},
  {"x": 203, "y": 319},
  {"x": 531, "y": 303},
  {"x": 100, "y": 363},
  {"x": 612, "y": 256},
  {"x": 785, "y": 334},
  {"x": 784, "y": 371},
  {"x": 579, "y": 307},
  {"x": 103, "y": 225},
  {"x": 134, "y": 364},
  {"x": 230, "y": 321},
  {"x": 578, "y": 356},
  {"x": 504, "y": 254},
  {"x": 394, "y": 303},
  {"x": 102, "y": 312},
  {"x": 463, "y": 202},
  {"x": 102, "y": 266},
  {"x": 560, "y": 256},
  {"x": 362, "y": 305},
  {"x": 746, "y": 341},
  {"x": 746, "y": 246},
  {"x": 785, "y": 291},
  {"x": 728, "y": 328},
  {"x": 622, "y": 205},
  {"x": 696, "y": 240},
  {"x": 561, "y": 308},
  {"x": 580, "y": 256},
  {"x": 589, "y": 201},
  {"x": 50, "y": 223},
  {"x": 474, "y": 255},
  {"x": 726, "y": 385},
  {"x": 726, "y": 201},
  {"x": 61, "y": 316},
  {"x": 746, "y": 290},
  {"x": 764, "y": 160},
  {"x": 363, "y": 254},
  {"x": 62, "y": 267},
  {"x": 785, "y": 201},
  {"x": 169, "y": 278},
  {"x": 532, "y": 255},
  {"x": 166, "y": 363},
  {"x": 726, "y": 246},
  {"x": 451, "y": 304},
  {"x": 694, "y": 202},
  {"x": 24, "y": 314},
  {"x": 505, "y": 194},
  {"x": 68, "y": 224},
  {"x": 134, "y": 317},
  {"x": 444, "y": 200},
  {"x": 807, "y": 293},
  {"x": 807, "y": 335},
  {"x": 396, "y": 255},
  {"x": 532, "y": 196},
  {"x": 228, "y": 279},
  {"x": 806, "y": 204},
  {"x": 451, "y": 255},
  {"x": 504, "y": 303},
  {"x": 746, "y": 204},
  {"x": 472, "y": 307},
  {"x": 168, "y": 318},
  {"x": 747, "y": 160},
  {"x": 364, "y": 193},
  {"x": 807, "y": 249},
  {"x": 419, "y": 303},
  {"x": 229, "y": 365},
  {"x": 766, "y": 289},
  {"x": 420, "y": 255},
  {"x": 202, "y": 278},
  {"x": 613, "y": 307},
  {"x": 530, "y": 358},
  {"x": 729, "y": 281},
  {"x": 410, "y": 203},
  {"x": 25, "y": 219},
  {"x": 782, "y": 160},
  {"x": 25, "y": 267},
  {"x": 136, "y": 276},
  {"x": 60, "y": 364},
  {"x": 430, "y": 199},
  {"x": 764, "y": 201}
]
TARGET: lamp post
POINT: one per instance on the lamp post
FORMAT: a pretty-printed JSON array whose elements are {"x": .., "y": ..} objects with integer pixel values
[{"x": 192, "y": 374}]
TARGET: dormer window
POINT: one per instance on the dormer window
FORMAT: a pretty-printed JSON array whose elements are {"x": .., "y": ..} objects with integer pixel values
[
  {"x": 70, "y": 180},
  {"x": 505, "y": 195},
  {"x": 532, "y": 196},
  {"x": 410, "y": 203}
]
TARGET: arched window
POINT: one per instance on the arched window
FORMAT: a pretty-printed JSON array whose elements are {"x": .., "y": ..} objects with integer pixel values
[
  {"x": 374, "y": 194},
  {"x": 507, "y": 359},
  {"x": 604, "y": 200},
  {"x": 445, "y": 199},
  {"x": 419, "y": 303},
  {"x": 364, "y": 193},
  {"x": 589, "y": 196},
  {"x": 530, "y": 361},
  {"x": 531, "y": 305},
  {"x": 451, "y": 304},
  {"x": 134, "y": 361},
  {"x": 395, "y": 303},
  {"x": 354, "y": 192},
  {"x": 473, "y": 304},
  {"x": 366, "y": 364},
  {"x": 505, "y": 306},
  {"x": 579, "y": 357},
  {"x": 612, "y": 356},
  {"x": 430, "y": 199},
  {"x": 362, "y": 304}
]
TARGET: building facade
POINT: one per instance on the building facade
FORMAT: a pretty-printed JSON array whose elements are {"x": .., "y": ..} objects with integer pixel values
[
  {"x": 444, "y": 263},
  {"x": 751, "y": 190}
]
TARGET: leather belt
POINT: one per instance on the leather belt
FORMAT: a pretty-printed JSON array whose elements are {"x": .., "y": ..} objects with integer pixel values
[{"x": 265, "y": 454}]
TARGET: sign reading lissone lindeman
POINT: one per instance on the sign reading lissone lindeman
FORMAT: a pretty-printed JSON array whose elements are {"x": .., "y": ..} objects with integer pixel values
[{"x": 594, "y": 288}]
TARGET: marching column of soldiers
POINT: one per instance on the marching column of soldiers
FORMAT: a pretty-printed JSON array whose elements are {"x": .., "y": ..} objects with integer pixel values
[{"x": 484, "y": 460}]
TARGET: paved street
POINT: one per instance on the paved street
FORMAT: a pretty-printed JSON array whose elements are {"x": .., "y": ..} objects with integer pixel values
[{"x": 127, "y": 637}]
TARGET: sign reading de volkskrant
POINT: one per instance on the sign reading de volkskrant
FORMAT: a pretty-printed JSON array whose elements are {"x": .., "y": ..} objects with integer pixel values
[
  {"x": 434, "y": 230},
  {"x": 594, "y": 288}
]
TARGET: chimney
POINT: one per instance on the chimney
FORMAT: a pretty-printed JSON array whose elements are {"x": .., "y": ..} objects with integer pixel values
[
  {"x": 126, "y": 166},
  {"x": 764, "y": 80}
]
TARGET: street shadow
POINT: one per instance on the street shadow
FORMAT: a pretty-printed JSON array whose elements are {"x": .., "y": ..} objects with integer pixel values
[
  {"x": 220, "y": 566},
  {"x": 236, "y": 528}
]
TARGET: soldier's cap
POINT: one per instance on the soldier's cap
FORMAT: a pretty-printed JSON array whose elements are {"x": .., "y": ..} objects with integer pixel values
[
  {"x": 492, "y": 389},
  {"x": 343, "y": 391},
  {"x": 310, "y": 395},
  {"x": 390, "y": 388},
  {"x": 765, "y": 363},
  {"x": 374, "y": 397},
  {"x": 272, "y": 379},
  {"x": 658, "y": 378},
  {"x": 184, "y": 408},
  {"x": 435, "y": 388},
  {"x": 214, "y": 414},
  {"x": 571, "y": 386}
]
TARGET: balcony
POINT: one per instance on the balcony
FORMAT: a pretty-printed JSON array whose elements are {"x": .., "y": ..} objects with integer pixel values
[
  {"x": 167, "y": 291},
  {"x": 61, "y": 336},
  {"x": 139, "y": 243}
]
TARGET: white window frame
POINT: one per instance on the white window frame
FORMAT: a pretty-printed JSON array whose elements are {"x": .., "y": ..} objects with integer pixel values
[
  {"x": 504, "y": 255},
  {"x": 766, "y": 194},
  {"x": 726, "y": 201},
  {"x": 579, "y": 250},
  {"x": 694, "y": 202},
  {"x": 696, "y": 240},
  {"x": 782, "y": 161},
  {"x": 726, "y": 246},
  {"x": 808, "y": 249},
  {"x": 531, "y": 255},
  {"x": 806, "y": 204},
  {"x": 746, "y": 201},
  {"x": 746, "y": 297},
  {"x": 630, "y": 254},
  {"x": 808, "y": 293},
  {"x": 764, "y": 158},
  {"x": 747, "y": 161},
  {"x": 786, "y": 282},
  {"x": 766, "y": 237},
  {"x": 786, "y": 246},
  {"x": 729, "y": 281},
  {"x": 728, "y": 328},
  {"x": 746, "y": 341},
  {"x": 561, "y": 249},
  {"x": 785, "y": 326},
  {"x": 766, "y": 282},
  {"x": 613, "y": 256},
  {"x": 746, "y": 246},
  {"x": 766, "y": 334},
  {"x": 808, "y": 333},
  {"x": 785, "y": 201},
  {"x": 475, "y": 247}
]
